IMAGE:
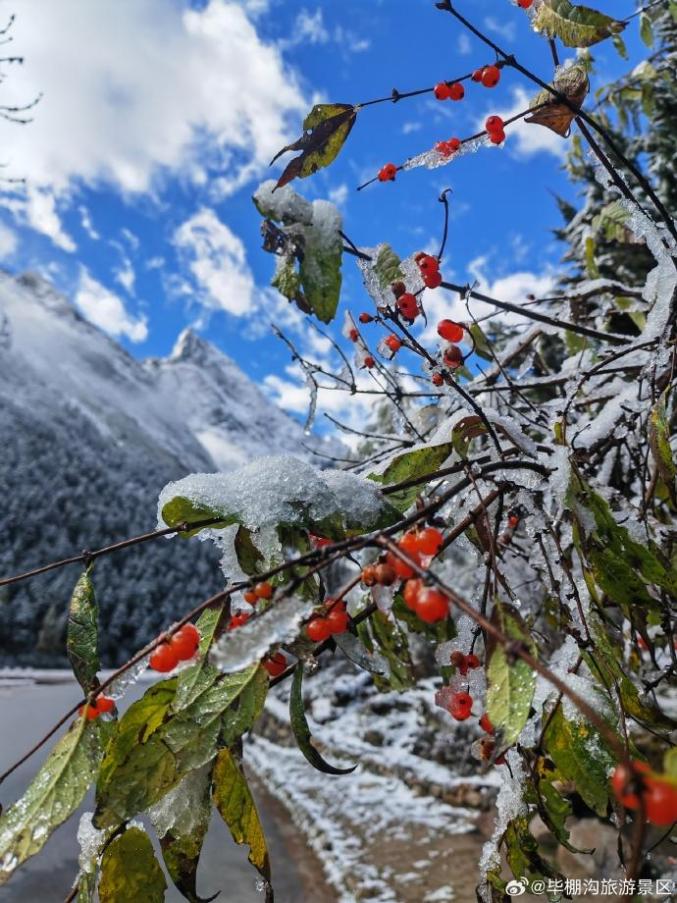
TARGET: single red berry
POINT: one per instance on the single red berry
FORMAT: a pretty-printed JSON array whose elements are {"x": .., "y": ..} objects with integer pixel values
[
  {"x": 387, "y": 173},
  {"x": 264, "y": 590},
  {"x": 623, "y": 779},
  {"x": 90, "y": 711},
  {"x": 441, "y": 91},
  {"x": 477, "y": 75},
  {"x": 461, "y": 706},
  {"x": 428, "y": 264},
  {"x": 353, "y": 335},
  {"x": 104, "y": 704},
  {"x": 437, "y": 379},
  {"x": 453, "y": 357},
  {"x": 238, "y": 620},
  {"x": 365, "y": 318},
  {"x": 513, "y": 521},
  {"x": 660, "y": 802},
  {"x": 497, "y": 137},
  {"x": 163, "y": 659},
  {"x": 429, "y": 541},
  {"x": 486, "y": 725},
  {"x": 432, "y": 606},
  {"x": 491, "y": 76},
  {"x": 452, "y": 332},
  {"x": 494, "y": 124},
  {"x": 456, "y": 91},
  {"x": 369, "y": 575},
  {"x": 454, "y": 144},
  {"x": 432, "y": 280},
  {"x": 318, "y": 630},
  {"x": 472, "y": 661},
  {"x": 275, "y": 665},
  {"x": 393, "y": 343},
  {"x": 385, "y": 575},
  {"x": 338, "y": 619},
  {"x": 398, "y": 288},
  {"x": 412, "y": 589},
  {"x": 250, "y": 596},
  {"x": 407, "y": 305},
  {"x": 443, "y": 147},
  {"x": 524, "y": 4},
  {"x": 403, "y": 571},
  {"x": 185, "y": 641},
  {"x": 369, "y": 362},
  {"x": 320, "y": 542},
  {"x": 459, "y": 661}
]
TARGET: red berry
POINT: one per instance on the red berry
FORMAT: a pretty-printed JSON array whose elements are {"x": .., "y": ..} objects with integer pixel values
[
  {"x": 369, "y": 362},
  {"x": 513, "y": 521},
  {"x": 491, "y": 76},
  {"x": 238, "y": 620},
  {"x": 459, "y": 661},
  {"x": 353, "y": 335},
  {"x": 385, "y": 575},
  {"x": 264, "y": 590},
  {"x": 452, "y": 332},
  {"x": 369, "y": 575},
  {"x": 477, "y": 75},
  {"x": 250, "y": 596},
  {"x": 497, "y": 137},
  {"x": 104, "y": 703},
  {"x": 486, "y": 725},
  {"x": 453, "y": 357},
  {"x": 411, "y": 591},
  {"x": 89, "y": 710},
  {"x": 443, "y": 147},
  {"x": 429, "y": 265},
  {"x": 163, "y": 659},
  {"x": 98, "y": 707},
  {"x": 365, "y": 318},
  {"x": 472, "y": 661},
  {"x": 437, "y": 379},
  {"x": 320, "y": 542},
  {"x": 456, "y": 91},
  {"x": 318, "y": 630},
  {"x": 407, "y": 305},
  {"x": 387, "y": 173},
  {"x": 409, "y": 544},
  {"x": 185, "y": 641},
  {"x": 432, "y": 280},
  {"x": 524, "y": 4},
  {"x": 660, "y": 802},
  {"x": 338, "y": 619},
  {"x": 622, "y": 783},
  {"x": 393, "y": 343},
  {"x": 403, "y": 571},
  {"x": 461, "y": 706},
  {"x": 398, "y": 288},
  {"x": 432, "y": 606},
  {"x": 441, "y": 91},
  {"x": 494, "y": 124},
  {"x": 275, "y": 665},
  {"x": 429, "y": 541},
  {"x": 454, "y": 144}
]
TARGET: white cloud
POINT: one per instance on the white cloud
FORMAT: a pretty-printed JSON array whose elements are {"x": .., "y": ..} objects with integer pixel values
[
  {"x": 87, "y": 224},
  {"x": 135, "y": 89},
  {"x": 526, "y": 139},
  {"x": 126, "y": 275},
  {"x": 107, "y": 311},
  {"x": 8, "y": 242},
  {"x": 463, "y": 44},
  {"x": 217, "y": 261},
  {"x": 504, "y": 28},
  {"x": 339, "y": 194},
  {"x": 409, "y": 127},
  {"x": 310, "y": 28}
]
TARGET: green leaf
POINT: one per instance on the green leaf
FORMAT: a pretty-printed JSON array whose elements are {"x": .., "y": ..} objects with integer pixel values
[
  {"x": 612, "y": 222},
  {"x": 181, "y": 819},
  {"x": 236, "y": 806},
  {"x": 53, "y": 795},
  {"x": 670, "y": 762},
  {"x": 555, "y": 809},
  {"x": 180, "y": 510},
  {"x": 511, "y": 682},
  {"x": 325, "y": 130},
  {"x": 387, "y": 267},
  {"x": 130, "y": 872},
  {"x": 158, "y": 742},
  {"x": 82, "y": 632},
  {"x": 521, "y": 851},
  {"x": 392, "y": 642},
  {"x": 481, "y": 343},
  {"x": 575, "y": 26},
  {"x": 301, "y": 730},
  {"x": 582, "y": 757},
  {"x": 661, "y": 450},
  {"x": 320, "y": 271},
  {"x": 248, "y": 556},
  {"x": 408, "y": 466}
]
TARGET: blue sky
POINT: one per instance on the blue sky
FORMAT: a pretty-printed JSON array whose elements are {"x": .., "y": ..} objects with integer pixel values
[{"x": 158, "y": 119}]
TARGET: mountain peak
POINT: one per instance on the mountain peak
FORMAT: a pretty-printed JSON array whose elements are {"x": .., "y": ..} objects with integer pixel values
[{"x": 189, "y": 346}]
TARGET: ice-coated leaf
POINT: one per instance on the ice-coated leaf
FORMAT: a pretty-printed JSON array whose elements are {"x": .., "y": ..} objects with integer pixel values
[
  {"x": 387, "y": 267},
  {"x": 130, "y": 872},
  {"x": 156, "y": 744},
  {"x": 301, "y": 730},
  {"x": 659, "y": 441},
  {"x": 234, "y": 801},
  {"x": 81, "y": 639},
  {"x": 325, "y": 130},
  {"x": 53, "y": 795},
  {"x": 248, "y": 556},
  {"x": 646, "y": 29},
  {"x": 409, "y": 465},
  {"x": 575, "y": 26},
  {"x": 511, "y": 681},
  {"x": 612, "y": 221},
  {"x": 387, "y": 636},
  {"x": 573, "y": 83},
  {"x": 181, "y": 819},
  {"x": 278, "y": 491},
  {"x": 581, "y": 756}
]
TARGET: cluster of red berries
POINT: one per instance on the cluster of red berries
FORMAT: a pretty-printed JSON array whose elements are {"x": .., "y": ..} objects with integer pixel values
[
  {"x": 98, "y": 706},
  {"x": 321, "y": 627},
  {"x": 464, "y": 663},
  {"x": 658, "y": 794},
  {"x": 447, "y": 148},
  {"x": 275, "y": 664},
  {"x": 260, "y": 591},
  {"x": 489, "y": 76},
  {"x": 405, "y": 301},
  {"x": 387, "y": 173},
  {"x": 180, "y": 647},
  {"x": 417, "y": 545},
  {"x": 429, "y": 267},
  {"x": 429, "y": 604},
  {"x": 381, "y": 574},
  {"x": 495, "y": 128},
  {"x": 449, "y": 91}
]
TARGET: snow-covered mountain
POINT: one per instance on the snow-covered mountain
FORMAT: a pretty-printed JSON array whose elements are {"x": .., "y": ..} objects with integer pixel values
[{"x": 89, "y": 437}]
